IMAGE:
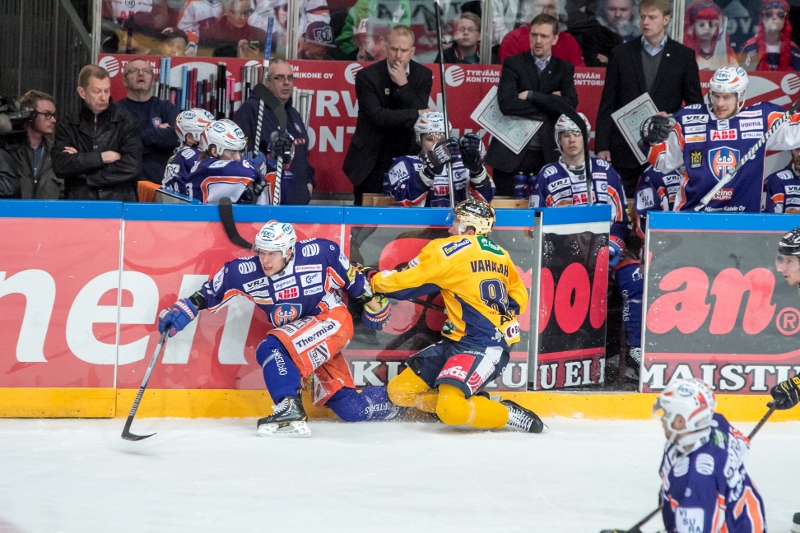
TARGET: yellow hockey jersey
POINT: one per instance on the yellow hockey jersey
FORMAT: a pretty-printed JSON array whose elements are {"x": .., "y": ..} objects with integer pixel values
[{"x": 483, "y": 293}]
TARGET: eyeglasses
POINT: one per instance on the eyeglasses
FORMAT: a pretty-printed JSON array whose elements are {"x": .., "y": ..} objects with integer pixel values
[
  {"x": 770, "y": 13},
  {"x": 47, "y": 114},
  {"x": 145, "y": 71},
  {"x": 280, "y": 78}
]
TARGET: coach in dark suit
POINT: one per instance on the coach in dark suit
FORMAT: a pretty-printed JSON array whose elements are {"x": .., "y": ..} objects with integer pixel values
[
  {"x": 391, "y": 95},
  {"x": 655, "y": 64},
  {"x": 532, "y": 85}
]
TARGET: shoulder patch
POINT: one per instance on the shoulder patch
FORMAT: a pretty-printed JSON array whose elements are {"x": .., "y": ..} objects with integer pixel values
[
  {"x": 219, "y": 163},
  {"x": 681, "y": 467},
  {"x": 452, "y": 247},
  {"x": 488, "y": 246},
  {"x": 704, "y": 464}
]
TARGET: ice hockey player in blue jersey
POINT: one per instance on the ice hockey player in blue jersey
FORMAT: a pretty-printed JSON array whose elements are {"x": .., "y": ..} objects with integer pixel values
[
  {"x": 656, "y": 191},
  {"x": 704, "y": 485},
  {"x": 710, "y": 139},
  {"x": 189, "y": 125},
  {"x": 298, "y": 286},
  {"x": 220, "y": 171},
  {"x": 782, "y": 188},
  {"x": 422, "y": 180}
]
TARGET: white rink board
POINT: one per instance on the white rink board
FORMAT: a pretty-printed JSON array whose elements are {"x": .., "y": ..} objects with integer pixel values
[{"x": 204, "y": 475}]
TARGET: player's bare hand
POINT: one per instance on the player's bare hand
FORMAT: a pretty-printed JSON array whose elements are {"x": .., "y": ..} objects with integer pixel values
[
  {"x": 556, "y": 93},
  {"x": 523, "y": 95},
  {"x": 398, "y": 74},
  {"x": 110, "y": 156},
  {"x": 165, "y": 125},
  {"x": 605, "y": 155}
]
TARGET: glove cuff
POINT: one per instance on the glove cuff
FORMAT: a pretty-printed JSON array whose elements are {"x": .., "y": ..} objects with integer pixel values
[
  {"x": 426, "y": 176},
  {"x": 477, "y": 178}
]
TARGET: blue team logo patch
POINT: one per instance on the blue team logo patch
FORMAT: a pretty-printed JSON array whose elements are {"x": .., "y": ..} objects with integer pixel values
[
  {"x": 453, "y": 247},
  {"x": 284, "y": 314},
  {"x": 722, "y": 161}
]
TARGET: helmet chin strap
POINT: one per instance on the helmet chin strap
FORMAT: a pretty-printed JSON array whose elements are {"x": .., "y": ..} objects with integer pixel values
[{"x": 690, "y": 441}]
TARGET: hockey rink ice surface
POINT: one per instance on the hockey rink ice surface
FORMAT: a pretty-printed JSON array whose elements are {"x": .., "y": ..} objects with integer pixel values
[{"x": 199, "y": 475}]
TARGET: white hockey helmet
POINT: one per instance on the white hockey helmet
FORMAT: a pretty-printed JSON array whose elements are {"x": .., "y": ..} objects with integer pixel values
[
  {"x": 566, "y": 124},
  {"x": 225, "y": 135},
  {"x": 192, "y": 121},
  {"x": 693, "y": 399},
  {"x": 729, "y": 80},
  {"x": 477, "y": 214},
  {"x": 276, "y": 236},
  {"x": 429, "y": 122}
]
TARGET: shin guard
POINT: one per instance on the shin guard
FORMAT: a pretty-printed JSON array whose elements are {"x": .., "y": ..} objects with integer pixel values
[
  {"x": 281, "y": 375},
  {"x": 371, "y": 403}
]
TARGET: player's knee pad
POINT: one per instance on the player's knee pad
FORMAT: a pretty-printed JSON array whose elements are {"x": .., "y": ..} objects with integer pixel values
[
  {"x": 281, "y": 375},
  {"x": 371, "y": 403},
  {"x": 453, "y": 408},
  {"x": 404, "y": 388}
]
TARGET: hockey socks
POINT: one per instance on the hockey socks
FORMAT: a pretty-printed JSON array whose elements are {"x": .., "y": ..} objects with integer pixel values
[
  {"x": 455, "y": 409},
  {"x": 371, "y": 403},
  {"x": 281, "y": 375}
]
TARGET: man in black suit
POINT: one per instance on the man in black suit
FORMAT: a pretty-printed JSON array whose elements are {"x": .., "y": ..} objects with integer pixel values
[
  {"x": 532, "y": 85},
  {"x": 655, "y": 64},
  {"x": 391, "y": 95}
]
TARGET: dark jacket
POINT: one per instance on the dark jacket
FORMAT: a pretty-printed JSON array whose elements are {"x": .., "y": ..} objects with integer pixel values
[
  {"x": 386, "y": 117},
  {"x": 294, "y": 185},
  {"x": 45, "y": 186},
  {"x": 677, "y": 84},
  {"x": 85, "y": 175},
  {"x": 158, "y": 144},
  {"x": 9, "y": 176},
  {"x": 521, "y": 74}
]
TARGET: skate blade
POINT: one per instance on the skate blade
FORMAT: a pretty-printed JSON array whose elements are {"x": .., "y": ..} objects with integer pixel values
[{"x": 298, "y": 430}]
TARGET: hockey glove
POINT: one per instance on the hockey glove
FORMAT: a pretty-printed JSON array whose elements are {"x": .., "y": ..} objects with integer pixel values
[
  {"x": 367, "y": 271},
  {"x": 177, "y": 317},
  {"x": 472, "y": 152},
  {"x": 283, "y": 146},
  {"x": 786, "y": 394},
  {"x": 377, "y": 319},
  {"x": 614, "y": 254},
  {"x": 656, "y": 129},
  {"x": 437, "y": 157}
]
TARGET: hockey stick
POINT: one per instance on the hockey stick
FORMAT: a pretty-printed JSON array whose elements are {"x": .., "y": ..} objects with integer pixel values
[
  {"x": 643, "y": 521},
  {"x": 229, "y": 224},
  {"x": 438, "y": 12},
  {"x": 751, "y": 153},
  {"x": 126, "y": 431},
  {"x": 265, "y": 65},
  {"x": 276, "y": 193}
]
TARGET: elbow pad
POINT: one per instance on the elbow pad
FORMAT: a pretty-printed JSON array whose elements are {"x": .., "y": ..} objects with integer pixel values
[{"x": 199, "y": 301}]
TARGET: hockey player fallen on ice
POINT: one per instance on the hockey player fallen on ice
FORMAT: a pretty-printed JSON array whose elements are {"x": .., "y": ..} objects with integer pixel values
[
  {"x": 298, "y": 286},
  {"x": 710, "y": 139},
  {"x": 188, "y": 126},
  {"x": 422, "y": 180},
  {"x": 563, "y": 184},
  {"x": 704, "y": 485},
  {"x": 782, "y": 188},
  {"x": 220, "y": 171},
  {"x": 483, "y": 295}
]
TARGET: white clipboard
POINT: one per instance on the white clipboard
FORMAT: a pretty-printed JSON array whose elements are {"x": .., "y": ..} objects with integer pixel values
[
  {"x": 630, "y": 117},
  {"x": 514, "y": 132}
]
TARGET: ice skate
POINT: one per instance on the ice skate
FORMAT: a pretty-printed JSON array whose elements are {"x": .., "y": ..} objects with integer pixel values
[
  {"x": 523, "y": 419},
  {"x": 288, "y": 420}
]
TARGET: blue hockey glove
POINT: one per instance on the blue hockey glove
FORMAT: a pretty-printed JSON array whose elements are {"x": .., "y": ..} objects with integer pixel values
[
  {"x": 786, "y": 394},
  {"x": 614, "y": 254},
  {"x": 377, "y": 320},
  {"x": 282, "y": 146},
  {"x": 258, "y": 162},
  {"x": 177, "y": 317},
  {"x": 472, "y": 152}
]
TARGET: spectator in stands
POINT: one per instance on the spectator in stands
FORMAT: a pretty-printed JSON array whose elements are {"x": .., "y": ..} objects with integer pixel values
[
  {"x": 317, "y": 42},
  {"x": 518, "y": 41},
  {"x": 310, "y": 11},
  {"x": 156, "y": 119},
  {"x": 782, "y": 188},
  {"x": 279, "y": 116},
  {"x": 633, "y": 69},
  {"x": 621, "y": 17},
  {"x": 529, "y": 83},
  {"x": 32, "y": 157},
  {"x": 98, "y": 151},
  {"x": 364, "y": 10},
  {"x": 466, "y": 41},
  {"x": 231, "y": 35},
  {"x": 172, "y": 43},
  {"x": 506, "y": 16},
  {"x": 595, "y": 40},
  {"x": 141, "y": 21},
  {"x": 391, "y": 95},
  {"x": 706, "y": 34},
  {"x": 370, "y": 40},
  {"x": 195, "y": 18},
  {"x": 772, "y": 47}
]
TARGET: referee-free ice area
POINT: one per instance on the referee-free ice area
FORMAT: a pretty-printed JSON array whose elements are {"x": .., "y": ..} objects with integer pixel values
[{"x": 218, "y": 476}]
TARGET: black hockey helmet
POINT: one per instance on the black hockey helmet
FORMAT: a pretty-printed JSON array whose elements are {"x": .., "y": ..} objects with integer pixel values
[{"x": 790, "y": 243}]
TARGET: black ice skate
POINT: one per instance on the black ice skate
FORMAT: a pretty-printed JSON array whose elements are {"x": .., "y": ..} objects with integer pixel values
[
  {"x": 633, "y": 363},
  {"x": 288, "y": 420},
  {"x": 523, "y": 419}
]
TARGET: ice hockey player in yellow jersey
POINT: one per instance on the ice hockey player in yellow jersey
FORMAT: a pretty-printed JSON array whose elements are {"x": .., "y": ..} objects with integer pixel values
[{"x": 483, "y": 295}]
